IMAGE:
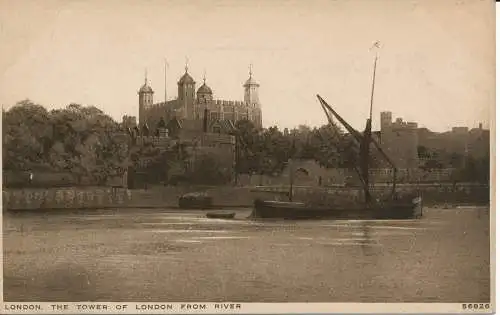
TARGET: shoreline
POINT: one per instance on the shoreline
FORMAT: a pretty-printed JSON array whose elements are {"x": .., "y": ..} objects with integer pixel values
[
  {"x": 170, "y": 209},
  {"x": 78, "y": 198}
]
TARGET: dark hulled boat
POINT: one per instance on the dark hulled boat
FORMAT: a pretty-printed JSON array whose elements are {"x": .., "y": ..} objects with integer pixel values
[
  {"x": 406, "y": 208},
  {"x": 394, "y": 206}
]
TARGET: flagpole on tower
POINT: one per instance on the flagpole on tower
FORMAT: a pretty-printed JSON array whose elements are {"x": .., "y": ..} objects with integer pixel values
[{"x": 165, "y": 72}]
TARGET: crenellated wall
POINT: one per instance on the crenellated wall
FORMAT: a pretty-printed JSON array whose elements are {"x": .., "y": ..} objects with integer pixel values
[
  {"x": 218, "y": 110},
  {"x": 230, "y": 110},
  {"x": 229, "y": 103}
]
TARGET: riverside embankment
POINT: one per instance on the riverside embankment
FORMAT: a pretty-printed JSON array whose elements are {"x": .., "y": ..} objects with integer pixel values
[{"x": 167, "y": 197}]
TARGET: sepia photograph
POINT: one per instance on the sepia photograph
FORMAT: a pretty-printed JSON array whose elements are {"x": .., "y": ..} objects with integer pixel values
[{"x": 204, "y": 156}]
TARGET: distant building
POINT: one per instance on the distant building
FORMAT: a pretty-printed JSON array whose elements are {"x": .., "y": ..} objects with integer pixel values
[
  {"x": 204, "y": 124},
  {"x": 213, "y": 139},
  {"x": 478, "y": 143},
  {"x": 199, "y": 110},
  {"x": 400, "y": 140},
  {"x": 460, "y": 130},
  {"x": 460, "y": 141}
]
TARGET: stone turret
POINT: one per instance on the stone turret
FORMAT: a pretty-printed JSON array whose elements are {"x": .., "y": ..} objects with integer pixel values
[
  {"x": 186, "y": 98},
  {"x": 145, "y": 100},
  {"x": 251, "y": 90}
]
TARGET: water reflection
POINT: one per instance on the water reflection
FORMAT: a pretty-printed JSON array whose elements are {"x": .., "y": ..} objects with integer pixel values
[
  {"x": 151, "y": 255},
  {"x": 365, "y": 232}
]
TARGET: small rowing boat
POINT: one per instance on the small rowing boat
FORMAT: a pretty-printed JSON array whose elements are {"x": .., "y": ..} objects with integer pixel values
[{"x": 220, "y": 215}]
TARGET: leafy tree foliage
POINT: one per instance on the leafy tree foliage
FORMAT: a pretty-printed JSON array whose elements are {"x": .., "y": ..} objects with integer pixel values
[
  {"x": 207, "y": 170},
  {"x": 267, "y": 151},
  {"x": 467, "y": 168},
  {"x": 161, "y": 165},
  {"x": 78, "y": 139},
  {"x": 247, "y": 143},
  {"x": 476, "y": 170},
  {"x": 87, "y": 143}
]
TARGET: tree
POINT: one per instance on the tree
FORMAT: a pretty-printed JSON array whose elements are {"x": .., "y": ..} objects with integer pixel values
[
  {"x": 176, "y": 162},
  {"x": 432, "y": 159},
  {"x": 274, "y": 151},
  {"x": 81, "y": 140},
  {"x": 26, "y": 136},
  {"x": 88, "y": 143},
  {"x": 456, "y": 160},
  {"x": 331, "y": 148},
  {"x": 423, "y": 152},
  {"x": 207, "y": 170},
  {"x": 247, "y": 146},
  {"x": 476, "y": 170},
  {"x": 268, "y": 151},
  {"x": 168, "y": 165}
]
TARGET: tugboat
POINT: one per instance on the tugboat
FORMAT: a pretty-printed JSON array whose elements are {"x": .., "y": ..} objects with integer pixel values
[{"x": 366, "y": 206}]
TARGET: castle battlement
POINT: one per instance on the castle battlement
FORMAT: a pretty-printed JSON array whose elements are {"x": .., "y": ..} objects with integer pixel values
[
  {"x": 399, "y": 124},
  {"x": 190, "y": 104},
  {"x": 404, "y": 125},
  {"x": 230, "y": 103}
]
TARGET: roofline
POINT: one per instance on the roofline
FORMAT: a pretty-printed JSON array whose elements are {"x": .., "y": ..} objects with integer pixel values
[{"x": 251, "y": 84}]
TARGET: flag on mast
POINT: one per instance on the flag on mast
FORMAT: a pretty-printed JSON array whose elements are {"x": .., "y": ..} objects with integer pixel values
[{"x": 375, "y": 45}]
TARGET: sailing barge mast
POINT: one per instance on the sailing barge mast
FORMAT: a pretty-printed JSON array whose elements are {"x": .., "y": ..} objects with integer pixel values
[
  {"x": 406, "y": 207},
  {"x": 364, "y": 140}
]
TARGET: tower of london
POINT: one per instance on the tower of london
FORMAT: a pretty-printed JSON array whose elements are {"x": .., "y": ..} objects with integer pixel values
[{"x": 196, "y": 109}]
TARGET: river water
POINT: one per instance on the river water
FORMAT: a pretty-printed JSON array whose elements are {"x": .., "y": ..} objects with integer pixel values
[{"x": 152, "y": 255}]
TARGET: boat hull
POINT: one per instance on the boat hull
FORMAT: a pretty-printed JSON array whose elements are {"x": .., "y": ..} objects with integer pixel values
[
  {"x": 220, "y": 215},
  {"x": 396, "y": 210}
]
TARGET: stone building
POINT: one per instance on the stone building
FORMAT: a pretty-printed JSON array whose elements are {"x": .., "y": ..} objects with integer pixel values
[
  {"x": 198, "y": 143},
  {"x": 399, "y": 139},
  {"x": 203, "y": 124},
  {"x": 192, "y": 107},
  {"x": 459, "y": 141}
]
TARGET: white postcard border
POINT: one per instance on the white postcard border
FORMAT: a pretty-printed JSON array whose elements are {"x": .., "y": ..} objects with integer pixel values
[{"x": 279, "y": 308}]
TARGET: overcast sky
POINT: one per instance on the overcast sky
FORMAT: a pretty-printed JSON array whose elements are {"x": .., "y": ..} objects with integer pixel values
[{"x": 436, "y": 62}]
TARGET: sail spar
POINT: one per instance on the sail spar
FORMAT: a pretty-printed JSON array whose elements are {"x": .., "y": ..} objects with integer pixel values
[{"x": 365, "y": 139}]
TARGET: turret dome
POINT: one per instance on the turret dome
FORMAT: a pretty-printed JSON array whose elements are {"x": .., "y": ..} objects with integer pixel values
[
  {"x": 186, "y": 79},
  {"x": 204, "y": 89},
  {"x": 145, "y": 89},
  {"x": 251, "y": 81}
]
